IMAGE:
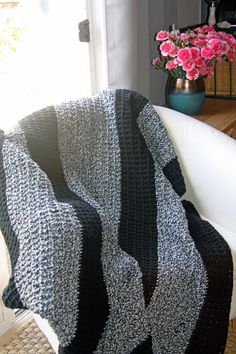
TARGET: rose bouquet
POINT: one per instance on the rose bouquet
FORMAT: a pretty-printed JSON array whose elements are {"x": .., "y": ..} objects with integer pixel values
[{"x": 194, "y": 53}]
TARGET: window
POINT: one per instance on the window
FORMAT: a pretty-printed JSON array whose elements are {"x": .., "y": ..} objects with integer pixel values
[{"x": 42, "y": 61}]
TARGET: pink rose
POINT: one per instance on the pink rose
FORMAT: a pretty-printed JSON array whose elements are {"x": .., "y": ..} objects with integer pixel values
[
  {"x": 195, "y": 52},
  {"x": 174, "y": 34},
  {"x": 215, "y": 44},
  {"x": 230, "y": 56},
  {"x": 231, "y": 40},
  {"x": 207, "y": 52},
  {"x": 171, "y": 65},
  {"x": 210, "y": 71},
  {"x": 184, "y": 54},
  {"x": 224, "y": 48},
  {"x": 210, "y": 35},
  {"x": 156, "y": 61},
  {"x": 218, "y": 58},
  {"x": 192, "y": 34},
  {"x": 174, "y": 51},
  {"x": 176, "y": 61},
  {"x": 233, "y": 45},
  {"x": 199, "y": 30},
  {"x": 188, "y": 65},
  {"x": 192, "y": 74},
  {"x": 208, "y": 28},
  {"x": 198, "y": 42},
  {"x": 203, "y": 69},
  {"x": 227, "y": 37},
  {"x": 162, "y": 35},
  {"x": 184, "y": 37},
  {"x": 199, "y": 62},
  {"x": 165, "y": 48}
]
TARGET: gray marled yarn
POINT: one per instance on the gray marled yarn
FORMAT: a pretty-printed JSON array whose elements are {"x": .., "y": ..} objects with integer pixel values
[
  {"x": 92, "y": 157},
  {"x": 156, "y": 136},
  {"x": 48, "y": 232},
  {"x": 176, "y": 303},
  {"x": 95, "y": 175}
]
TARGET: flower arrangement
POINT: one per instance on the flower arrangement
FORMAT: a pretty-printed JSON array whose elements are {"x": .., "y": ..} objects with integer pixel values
[{"x": 194, "y": 53}]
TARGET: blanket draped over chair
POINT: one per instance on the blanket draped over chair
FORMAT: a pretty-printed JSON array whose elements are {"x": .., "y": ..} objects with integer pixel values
[{"x": 100, "y": 242}]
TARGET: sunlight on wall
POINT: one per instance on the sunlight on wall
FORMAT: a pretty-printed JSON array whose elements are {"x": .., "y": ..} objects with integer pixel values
[{"x": 49, "y": 64}]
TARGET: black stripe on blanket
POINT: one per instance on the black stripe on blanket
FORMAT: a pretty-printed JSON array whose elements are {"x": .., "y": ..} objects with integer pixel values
[
  {"x": 210, "y": 334},
  {"x": 41, "y": 132},
  {"x": 138, "y": 230},
  {"x": 173, "y": 173}
]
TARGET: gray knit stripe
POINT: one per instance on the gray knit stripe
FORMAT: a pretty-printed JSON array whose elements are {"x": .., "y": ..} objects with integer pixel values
[
  {"x": 93, "y": 152},
  {"x": 47, "y": 285},
  {"x": 49, "y": 233},
  {"x": 91, "y": 163},
  {"x": 17, "y": 137},
  {"x": 156, "y": 135},
  {"x": 182, "y": 277}
]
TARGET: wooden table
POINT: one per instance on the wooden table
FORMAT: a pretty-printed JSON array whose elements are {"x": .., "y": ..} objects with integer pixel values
[{"x": 219, "y": 113}]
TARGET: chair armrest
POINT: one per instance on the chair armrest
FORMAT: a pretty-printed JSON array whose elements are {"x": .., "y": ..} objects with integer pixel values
[
  {"x": 47, "y": 330},
  {"x": 208, "y": 161}
]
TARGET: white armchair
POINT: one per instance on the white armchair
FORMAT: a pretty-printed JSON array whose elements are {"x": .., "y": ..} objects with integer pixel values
[{"x": 208, "y": 161}]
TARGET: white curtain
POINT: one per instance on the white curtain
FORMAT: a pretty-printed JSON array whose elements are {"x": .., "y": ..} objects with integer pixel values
[
  {"x": 127, "y": 24},
  {"x": 120, "y": 30}
]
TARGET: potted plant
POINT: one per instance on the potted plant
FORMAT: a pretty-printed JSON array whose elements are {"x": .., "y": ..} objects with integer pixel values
[{"x": 188, "y": 57}]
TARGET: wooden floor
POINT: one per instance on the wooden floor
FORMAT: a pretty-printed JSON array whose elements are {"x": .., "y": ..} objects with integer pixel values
[
  {"x": 234, "y": 325},
  {"x": 219, "y": 113}
]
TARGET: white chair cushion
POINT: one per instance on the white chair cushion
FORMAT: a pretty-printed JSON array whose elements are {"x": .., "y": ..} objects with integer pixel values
[{"x": 208, "y": 161}]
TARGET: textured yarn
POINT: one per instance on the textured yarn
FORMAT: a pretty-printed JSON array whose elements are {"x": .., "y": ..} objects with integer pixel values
[{"x": 100, "y": 243}]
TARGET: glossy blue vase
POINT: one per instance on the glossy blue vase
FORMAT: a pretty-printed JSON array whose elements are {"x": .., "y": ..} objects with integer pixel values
[{"x": 186, "y": 96}]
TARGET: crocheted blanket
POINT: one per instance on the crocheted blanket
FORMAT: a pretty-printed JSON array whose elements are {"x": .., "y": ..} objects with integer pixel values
[{"x": 100, "y": 243}]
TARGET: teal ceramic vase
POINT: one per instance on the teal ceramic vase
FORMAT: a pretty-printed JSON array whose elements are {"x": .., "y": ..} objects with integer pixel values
[{"x": 183, "y": 95}]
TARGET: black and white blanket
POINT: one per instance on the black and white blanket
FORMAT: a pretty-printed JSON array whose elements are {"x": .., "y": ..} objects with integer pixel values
[{"x": 100, "y": 243}]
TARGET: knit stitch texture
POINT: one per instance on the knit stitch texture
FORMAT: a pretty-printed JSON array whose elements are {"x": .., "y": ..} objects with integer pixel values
[{"x": 100, "y": 243}]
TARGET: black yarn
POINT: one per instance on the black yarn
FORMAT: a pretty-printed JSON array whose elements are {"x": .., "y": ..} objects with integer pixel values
[
  {"x": 138, "y": 229},
  {"x": 173, "y": 174},
  {"x": 210, "y": 333},
  {"x": 41, "y": 133}
]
